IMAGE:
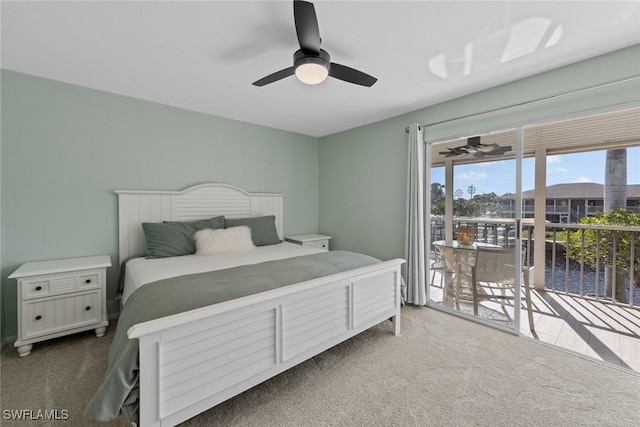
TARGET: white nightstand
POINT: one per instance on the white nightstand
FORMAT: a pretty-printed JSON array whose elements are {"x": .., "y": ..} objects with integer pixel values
[
  {"x": 60, "y": 297},
  {"x": 313, "y": 240}
]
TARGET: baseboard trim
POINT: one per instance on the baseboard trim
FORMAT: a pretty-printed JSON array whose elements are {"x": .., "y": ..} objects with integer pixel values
[{"x": 8, "y": 340}]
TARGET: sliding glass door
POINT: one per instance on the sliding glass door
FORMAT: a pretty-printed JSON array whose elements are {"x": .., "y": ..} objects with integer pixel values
[{"x": 473, "y": 229}]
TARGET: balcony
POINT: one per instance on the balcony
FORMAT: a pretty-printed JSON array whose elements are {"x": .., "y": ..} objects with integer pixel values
[
  {"x": 597, "y": 329},
  {"x": 572, "y": 309},
  {"x": 552, "y": 210}
]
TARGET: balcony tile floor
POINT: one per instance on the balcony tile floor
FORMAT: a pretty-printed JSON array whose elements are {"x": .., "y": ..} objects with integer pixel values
[{"x": 592, "y": 328}]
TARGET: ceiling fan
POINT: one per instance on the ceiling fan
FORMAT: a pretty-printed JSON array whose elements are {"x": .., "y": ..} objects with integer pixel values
[
  {"x": 311, "y": 64},
  {"x": 477, "y": 148}
]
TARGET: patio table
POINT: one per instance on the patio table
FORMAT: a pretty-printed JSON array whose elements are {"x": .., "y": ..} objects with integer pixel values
[{"x": 461, "y": 259}]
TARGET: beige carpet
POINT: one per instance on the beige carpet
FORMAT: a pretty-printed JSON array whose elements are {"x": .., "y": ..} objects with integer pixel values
[{"x": 442, "y": 371}]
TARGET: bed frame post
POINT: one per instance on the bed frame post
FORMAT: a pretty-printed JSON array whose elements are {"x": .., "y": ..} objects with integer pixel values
[
  {"x": 397, "y": 318},
  {"x": 149, "y": 384},
  {"x": 396, "y": 324}
]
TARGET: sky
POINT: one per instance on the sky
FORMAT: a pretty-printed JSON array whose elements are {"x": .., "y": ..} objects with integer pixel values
[{"x": 498, "y": 176}]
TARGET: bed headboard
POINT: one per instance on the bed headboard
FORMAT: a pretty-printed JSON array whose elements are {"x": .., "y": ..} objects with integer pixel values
[{"x": 197, "y": 202}]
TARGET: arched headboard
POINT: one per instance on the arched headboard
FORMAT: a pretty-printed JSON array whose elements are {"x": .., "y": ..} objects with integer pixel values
[{"x": 197, "y": 202}]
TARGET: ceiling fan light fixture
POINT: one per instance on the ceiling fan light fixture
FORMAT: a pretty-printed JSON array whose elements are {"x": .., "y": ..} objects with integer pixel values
[
  {"x": 311, "y": 69},
  {"x": 311, "y": 73}
]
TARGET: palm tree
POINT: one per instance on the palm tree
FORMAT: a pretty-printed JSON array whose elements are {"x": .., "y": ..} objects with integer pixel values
[{"x": 615, "y": 197}]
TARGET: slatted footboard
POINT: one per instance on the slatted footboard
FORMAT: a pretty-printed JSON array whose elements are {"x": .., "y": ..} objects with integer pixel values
[{"x": 192, "y": 361}]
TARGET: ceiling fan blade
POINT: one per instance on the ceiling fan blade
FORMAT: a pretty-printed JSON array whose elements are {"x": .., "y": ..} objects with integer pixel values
[
  {"x": 278, "y": 75},
  {"x": 488, "y": 148},
  {"x": 351, "y": 75},
  {"x": 496, "y": 152},
  {"x": 304, "y": 15},
  {"x": 455, "y": 151},
  {"x": 499, "y": 151}
]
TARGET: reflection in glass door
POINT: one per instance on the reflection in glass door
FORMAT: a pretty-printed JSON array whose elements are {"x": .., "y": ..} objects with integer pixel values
[{"x": 473, "y": 231}]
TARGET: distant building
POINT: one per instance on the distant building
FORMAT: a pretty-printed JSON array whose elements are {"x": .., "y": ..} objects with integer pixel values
[{"x": 568, "y": 203}]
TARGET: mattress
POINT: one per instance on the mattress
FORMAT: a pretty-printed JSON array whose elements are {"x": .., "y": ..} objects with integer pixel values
[{"x": 141, "y": 271}]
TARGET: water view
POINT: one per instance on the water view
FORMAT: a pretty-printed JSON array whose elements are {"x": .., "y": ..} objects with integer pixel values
[{"x": 558, "y": 281}]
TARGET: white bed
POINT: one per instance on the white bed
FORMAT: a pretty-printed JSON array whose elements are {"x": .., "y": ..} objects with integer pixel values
[{"x": 369, "y": 295}]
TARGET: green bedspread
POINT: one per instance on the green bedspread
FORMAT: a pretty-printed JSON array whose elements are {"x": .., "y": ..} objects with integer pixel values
[{"x": 178, "y": 294}]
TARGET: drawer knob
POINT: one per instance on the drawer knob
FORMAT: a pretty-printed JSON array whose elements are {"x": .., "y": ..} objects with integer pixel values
[
  {"x": 38, "y": 288},
  {"x": 38, "y": 317},
  {"x": 87, "y": 281},
  {"x": 87, "y": 308}
]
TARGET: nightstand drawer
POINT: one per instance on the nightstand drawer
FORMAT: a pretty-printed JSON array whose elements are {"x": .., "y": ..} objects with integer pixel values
[
  {"x": 56, "y": 284},
  {"x": 43, "y": 317},
  {"x": 89, "y": 280},
  {"x": 319, "y": 241},
  {"x": 322, "y": 244},
  {"x": 35, "y": 288}
]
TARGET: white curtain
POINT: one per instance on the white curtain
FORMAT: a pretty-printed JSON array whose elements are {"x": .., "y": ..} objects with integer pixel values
[{"x": 415, "y": 236}]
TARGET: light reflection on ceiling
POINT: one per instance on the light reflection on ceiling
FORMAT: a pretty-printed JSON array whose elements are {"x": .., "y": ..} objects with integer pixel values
[{"x": 520, "y": 39}]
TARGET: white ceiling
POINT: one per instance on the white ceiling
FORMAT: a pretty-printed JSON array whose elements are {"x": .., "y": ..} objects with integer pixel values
[{"x": 203, "y": 56}]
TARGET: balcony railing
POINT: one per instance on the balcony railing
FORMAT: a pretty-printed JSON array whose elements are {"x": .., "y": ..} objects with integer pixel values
[
  {"x": 597, "y": 262},
  {"x": 592, "y": 210},
  {"x": 600, "y": 262},
  {"x": 498, "y": 231},
  {"x": 509, "y": 209}
]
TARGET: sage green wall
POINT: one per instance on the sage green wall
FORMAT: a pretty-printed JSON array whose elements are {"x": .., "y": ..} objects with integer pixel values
[
  {"x": 363, "y": 170},
  {"x": 1, "y": 240},
  {"x": 66, "y": 148}
]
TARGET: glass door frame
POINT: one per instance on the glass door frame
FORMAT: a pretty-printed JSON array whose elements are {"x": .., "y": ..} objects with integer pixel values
[{"x": 514, "y": 327}]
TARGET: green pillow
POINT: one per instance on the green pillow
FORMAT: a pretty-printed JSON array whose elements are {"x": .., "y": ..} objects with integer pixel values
[
  {"x": 175, "y": 238},
  {"x": 263, "y": 228}
]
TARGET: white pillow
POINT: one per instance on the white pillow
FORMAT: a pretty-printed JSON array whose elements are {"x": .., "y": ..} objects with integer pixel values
[{"x": 224, "y": 241}]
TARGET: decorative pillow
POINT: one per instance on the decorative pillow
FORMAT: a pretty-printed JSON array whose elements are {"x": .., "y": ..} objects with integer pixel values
[
  {"x": 175, "y": 238},
  {"x": 263, "y": 228},
  {"x": 214, "y": 223},
  {"x": 224, "y": 241}
]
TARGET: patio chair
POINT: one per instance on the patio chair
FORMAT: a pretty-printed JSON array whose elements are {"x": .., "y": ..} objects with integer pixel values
[
  {"x": 438, "y": 265},
  {"x": 494, "y": 271}
]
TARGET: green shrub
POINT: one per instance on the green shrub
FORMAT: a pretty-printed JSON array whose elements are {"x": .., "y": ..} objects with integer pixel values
[{"x": 601, "y": 241}]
